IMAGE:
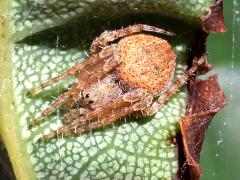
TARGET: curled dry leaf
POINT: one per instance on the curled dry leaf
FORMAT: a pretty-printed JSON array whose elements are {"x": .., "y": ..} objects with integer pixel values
[
  {"x": 213, "y": 21},
  {"x": 205, "y": 100}
]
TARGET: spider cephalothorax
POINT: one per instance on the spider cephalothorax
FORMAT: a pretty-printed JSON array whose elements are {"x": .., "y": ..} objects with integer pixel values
[{"x": 127, "y": 70}]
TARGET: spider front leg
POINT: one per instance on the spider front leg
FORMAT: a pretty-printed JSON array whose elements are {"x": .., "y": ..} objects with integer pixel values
[
  {"x": 109, "y": 36},
  {"x": 97, "y": 67},
  {"x": 130, "y": 102},
  {"x": 177, "y": 84},
  {"x": 74, "y": 114},
  {"x": 53, "y": 106},
  {"x": 91, "y": 61},
  {"x": 70, "y": 72}
]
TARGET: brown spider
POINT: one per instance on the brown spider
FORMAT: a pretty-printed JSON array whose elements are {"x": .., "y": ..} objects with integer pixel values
[{"x": 127, "y": 70}]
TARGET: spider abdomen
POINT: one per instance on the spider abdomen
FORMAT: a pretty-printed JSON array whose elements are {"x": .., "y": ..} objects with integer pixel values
[{"x": 148, "y": 62}]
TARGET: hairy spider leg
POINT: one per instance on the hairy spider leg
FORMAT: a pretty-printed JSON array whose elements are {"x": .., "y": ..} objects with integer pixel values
[
  {"x": 97, "y": 70},
  {"x": 53, "y": 106},
  {"x": 177, "y": 84},
  {"x": 74, "y": 114},
  {"x": 70, "y": 72},
  {"x": 109, "y": 36},
  {"x": 92, "y": 75},
  {"x": 77, "y": 128}
]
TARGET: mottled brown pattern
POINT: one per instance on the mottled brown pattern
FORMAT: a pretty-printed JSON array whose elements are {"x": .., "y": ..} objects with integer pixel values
[
  {"x": 149, "y": 65},
  {"x": 214, "y": 21},
  {"x": 205, "y": 100}
]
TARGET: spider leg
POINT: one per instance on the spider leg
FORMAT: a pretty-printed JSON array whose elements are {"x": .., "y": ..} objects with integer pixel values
[
  {"x": 131, "y": 102},
  {"x": 70, "y": 72},
  {"x": 94, "y": 73},
  {"x": 53, "y": 106},
  {"x": 97, "y": 70},
  {"x": 74, "y": 114},
  {"x": 105, "y": 56},
  {"x": 109, "y": 36},
  {"x": 177, "y": 84},
  {"x": 72, "y": 102}
]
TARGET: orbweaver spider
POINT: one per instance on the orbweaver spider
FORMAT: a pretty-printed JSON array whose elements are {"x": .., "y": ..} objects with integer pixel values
[{"x": 127, "y": 70}]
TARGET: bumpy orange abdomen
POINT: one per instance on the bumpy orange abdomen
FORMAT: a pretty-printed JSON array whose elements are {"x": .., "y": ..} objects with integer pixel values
[{"x": 148, "y": 62}]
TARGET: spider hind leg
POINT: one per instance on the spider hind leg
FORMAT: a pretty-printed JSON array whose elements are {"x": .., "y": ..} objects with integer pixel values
[
  {"x": 174, "y": 87},
  {"x": 109, "y": 36}
]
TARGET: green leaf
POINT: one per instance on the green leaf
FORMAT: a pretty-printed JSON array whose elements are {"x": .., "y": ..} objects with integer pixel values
[{"x": 51, "y": 36}]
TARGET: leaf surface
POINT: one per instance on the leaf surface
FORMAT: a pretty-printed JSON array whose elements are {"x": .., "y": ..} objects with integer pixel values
[{"x": 51, "y": 36}]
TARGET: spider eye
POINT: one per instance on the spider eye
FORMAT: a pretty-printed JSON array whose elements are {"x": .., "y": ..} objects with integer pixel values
[
  {"x": 90, "y": 102},
  {"x": 87, "y": 96}
]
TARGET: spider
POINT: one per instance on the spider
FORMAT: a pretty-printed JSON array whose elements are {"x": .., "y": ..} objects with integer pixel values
[{"x": 130, "y": 71}]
